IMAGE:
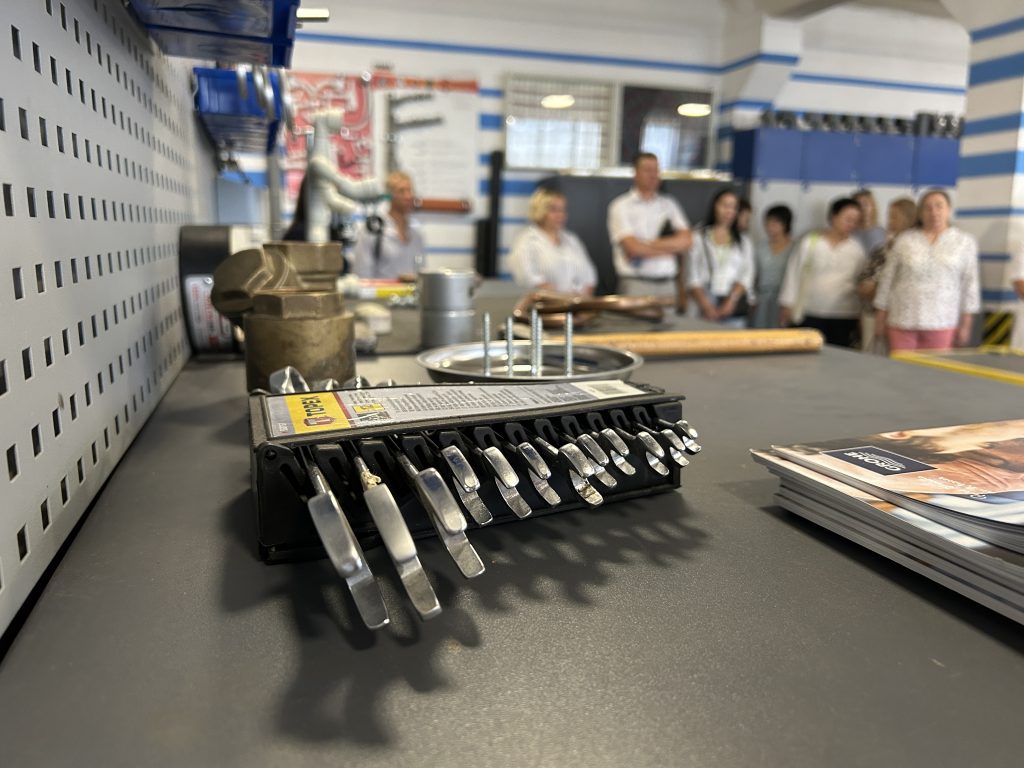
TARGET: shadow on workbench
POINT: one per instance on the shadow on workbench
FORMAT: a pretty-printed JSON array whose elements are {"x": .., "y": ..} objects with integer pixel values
[{"x": 345, "y": 672}]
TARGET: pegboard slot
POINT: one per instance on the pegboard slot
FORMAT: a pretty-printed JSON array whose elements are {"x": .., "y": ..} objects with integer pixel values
[
  {"x": 22, "y": 543},
  {"x": 44, "y": 514},
  {"x": 12, "y": 462}
]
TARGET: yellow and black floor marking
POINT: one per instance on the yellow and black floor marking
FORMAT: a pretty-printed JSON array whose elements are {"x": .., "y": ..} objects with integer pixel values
[{"x": 997, "y": 329}]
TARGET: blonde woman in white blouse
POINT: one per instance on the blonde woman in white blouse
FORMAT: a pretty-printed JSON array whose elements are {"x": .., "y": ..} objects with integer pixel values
[
  {"x": 720, "y": 270},
  {"x": 929, "y": 289},
  {"x": 546, "y": 255}
]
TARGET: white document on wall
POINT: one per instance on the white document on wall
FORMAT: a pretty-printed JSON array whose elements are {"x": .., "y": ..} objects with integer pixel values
[{"x": 431, "y": 135}]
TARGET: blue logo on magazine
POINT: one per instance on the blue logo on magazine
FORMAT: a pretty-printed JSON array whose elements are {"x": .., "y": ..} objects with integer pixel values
[{"x": 879, "y": 461}]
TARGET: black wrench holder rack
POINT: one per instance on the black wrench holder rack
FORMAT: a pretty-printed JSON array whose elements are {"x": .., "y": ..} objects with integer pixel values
[{"x": 282, "y": 484}]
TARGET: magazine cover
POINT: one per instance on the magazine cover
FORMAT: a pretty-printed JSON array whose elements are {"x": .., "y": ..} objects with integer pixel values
[
  {"x": 977, "y": 569},
  {"x": 941, "y": 538},
  {"x": 968, "y": 470}
]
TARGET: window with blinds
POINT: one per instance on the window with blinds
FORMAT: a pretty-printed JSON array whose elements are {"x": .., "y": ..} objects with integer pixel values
[{"x": 553, "y": 124}]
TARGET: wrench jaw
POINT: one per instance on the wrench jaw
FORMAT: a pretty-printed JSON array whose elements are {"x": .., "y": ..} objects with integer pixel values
[
  {"x": 617, "y": 450},
  {"x": 444, "y": 514},
  {"x": 653, "y": 452},
  {"x": 506, "y": 480},
  {"x": 343, "y": 548},
  {"x": 466, "y": 484},
  {"x": 532, "y": 464},
  {"x": 584, "y": 489},
  {"x": 601, "y": 460},
  {"x": 397, "y": 540},
  {"x": 686, "y": 434},
  {"x": 676, "y": 449}
]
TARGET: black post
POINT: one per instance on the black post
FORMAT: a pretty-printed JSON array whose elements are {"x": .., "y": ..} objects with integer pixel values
[{"x": 488, "y": 229}]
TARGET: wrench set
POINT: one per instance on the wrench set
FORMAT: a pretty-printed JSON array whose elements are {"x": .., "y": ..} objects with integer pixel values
[{"x": 338, "y": 471}]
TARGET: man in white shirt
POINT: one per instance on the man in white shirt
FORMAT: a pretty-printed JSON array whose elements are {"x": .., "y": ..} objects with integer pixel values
[
  {"x": 393, "y": 246},
  {"x": 649, "y": 234}
]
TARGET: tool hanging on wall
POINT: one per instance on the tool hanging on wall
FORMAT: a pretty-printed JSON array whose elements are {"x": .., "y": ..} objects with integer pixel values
[
  {"x": 340, "y": 471},
  {"x": 394, "y": 126}
]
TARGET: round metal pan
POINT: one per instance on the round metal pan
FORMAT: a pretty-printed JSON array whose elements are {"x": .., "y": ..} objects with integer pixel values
[{"x": 465, "y": 362}]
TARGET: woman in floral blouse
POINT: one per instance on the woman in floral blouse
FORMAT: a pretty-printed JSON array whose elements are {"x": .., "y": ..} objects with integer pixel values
[{"x": 929, "y": 290}]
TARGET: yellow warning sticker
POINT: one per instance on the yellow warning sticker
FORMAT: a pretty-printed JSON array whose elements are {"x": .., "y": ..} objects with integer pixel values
[{"x": 315, "y": 412}]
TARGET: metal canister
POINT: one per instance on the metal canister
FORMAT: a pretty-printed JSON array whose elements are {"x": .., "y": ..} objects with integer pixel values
[
  {"x": 446, "y": 289},
  {"x": 309, "y": 330},
  {"x": 446, "y": 306}
]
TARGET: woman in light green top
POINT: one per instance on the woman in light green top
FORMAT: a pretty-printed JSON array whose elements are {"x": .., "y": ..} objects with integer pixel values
[{"x": 772, "y": 257}]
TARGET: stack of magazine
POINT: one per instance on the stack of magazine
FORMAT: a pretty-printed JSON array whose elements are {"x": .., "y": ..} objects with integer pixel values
[{"x": 946, "y": 502}]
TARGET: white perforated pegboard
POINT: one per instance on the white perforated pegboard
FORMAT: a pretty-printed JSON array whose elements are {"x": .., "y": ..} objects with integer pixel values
[{"x": 101, "y": 165}]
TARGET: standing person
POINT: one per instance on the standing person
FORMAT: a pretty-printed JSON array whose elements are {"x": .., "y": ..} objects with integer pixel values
[
  {"x": 546, "y": 255},
  {"x": 929, "y": 291},
  {"x": 720, "y": 268},
  {"x": 743, "y": 214},
  {"x": 649, "y": 235},
  {"x": 902, "y": 215},
  {"x": 392, "y": 246},
  {"x": 819, "y": 289},
  {"x": 870, "y": 234},
  {"x": 770, "y": 260}
]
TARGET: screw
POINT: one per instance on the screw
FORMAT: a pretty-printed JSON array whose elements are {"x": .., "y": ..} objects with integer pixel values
[
  {"x": 487, "y": 343},
  {"x": 510, "y": 348},
  {"x": 569, "y": 368}
]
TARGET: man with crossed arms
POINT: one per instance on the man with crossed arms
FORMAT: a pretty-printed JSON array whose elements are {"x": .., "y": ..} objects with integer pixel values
[{"x": 650, "y": 236}]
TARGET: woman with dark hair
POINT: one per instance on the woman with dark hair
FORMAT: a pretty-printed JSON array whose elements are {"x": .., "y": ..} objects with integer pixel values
[
  {"x": 771, "y": 258},
  {"x": 720, "y": 270},
  {"x": 743, "y": 214},
  {"x": 929, "y": 291},
  {"x": 870, "y": 233},
  {"x": 819, "y": 289}
]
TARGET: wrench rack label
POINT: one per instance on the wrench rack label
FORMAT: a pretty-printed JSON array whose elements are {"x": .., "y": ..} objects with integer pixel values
[{"x": 322, "y": 412}]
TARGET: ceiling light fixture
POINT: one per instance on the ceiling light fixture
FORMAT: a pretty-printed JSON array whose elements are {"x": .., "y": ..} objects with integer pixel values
[
  {"x": 694, "y": 110},
  {"x": 558, "y": 101}
]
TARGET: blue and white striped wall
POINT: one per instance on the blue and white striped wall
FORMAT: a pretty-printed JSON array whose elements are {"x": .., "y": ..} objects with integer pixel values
[
  {"x": 991, "y": 185},
  {"x": 852, "y": 60},
  {"x": 859, "y": 61}
]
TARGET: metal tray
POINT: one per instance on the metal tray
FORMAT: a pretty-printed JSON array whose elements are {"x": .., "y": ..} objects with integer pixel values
[{"x": 465, "y": 362}]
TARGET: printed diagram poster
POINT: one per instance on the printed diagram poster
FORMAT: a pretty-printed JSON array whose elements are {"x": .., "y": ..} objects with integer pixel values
[
  {"x": 426, "y": 128},
  {"x": 313, "y": 92}
]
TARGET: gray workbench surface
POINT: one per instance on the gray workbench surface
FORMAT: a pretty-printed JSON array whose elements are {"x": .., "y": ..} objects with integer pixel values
[{"x": 707, "y": 628}]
